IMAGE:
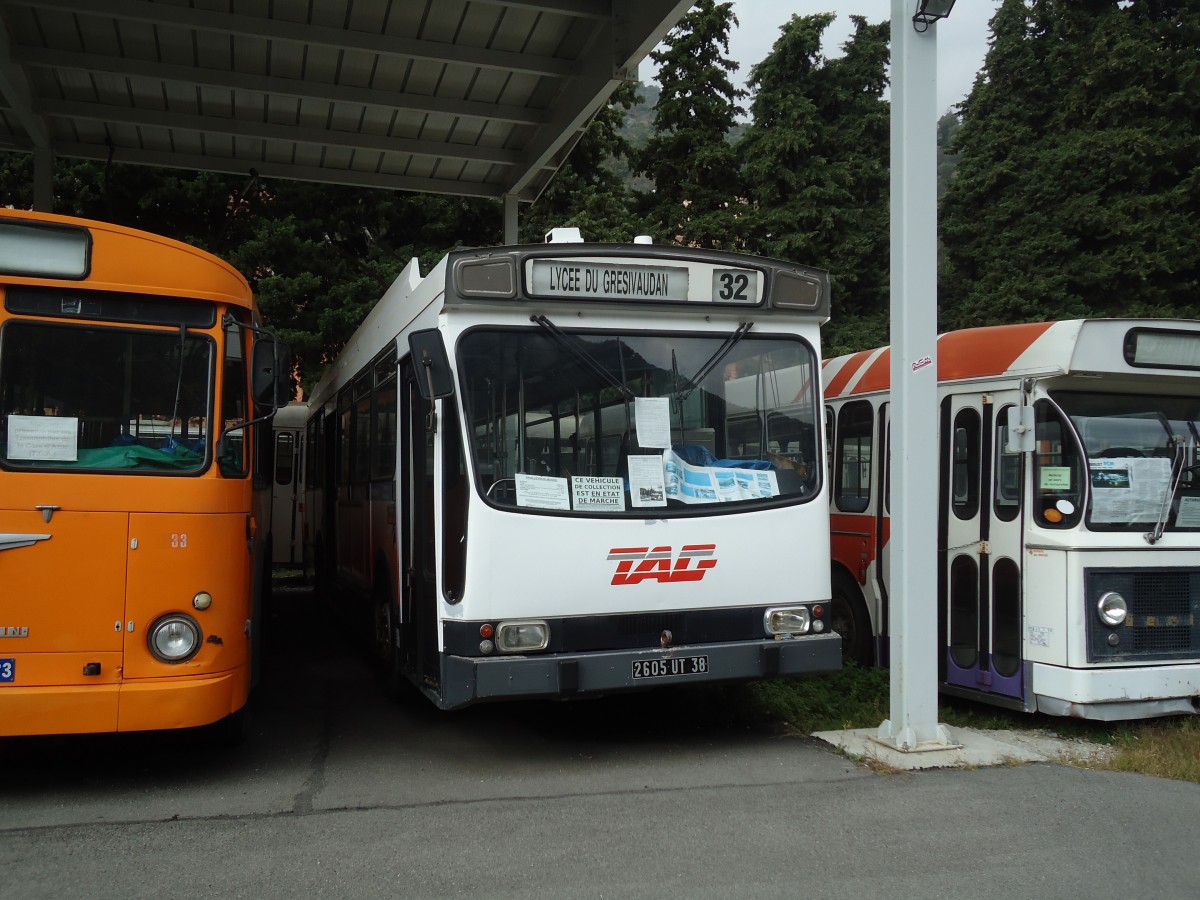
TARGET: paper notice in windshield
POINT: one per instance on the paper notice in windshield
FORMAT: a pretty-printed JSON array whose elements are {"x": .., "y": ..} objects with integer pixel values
[
  {"x": 597, "y": 494},
  {"x": 46, "y": 438},
  {"x": 1055, "y": 478},
  {"x": 1189, "y": 513},
  {"x": 1129, "y": 489},
  {"x": 716, "y": 484},
  {"x": 646, "y": 483},
  {"x": 652, "y": 418},
  {"x": 542, "y": 492}
]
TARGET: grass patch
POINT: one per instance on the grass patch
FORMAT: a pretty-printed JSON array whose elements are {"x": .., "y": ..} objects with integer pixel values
[
  {"x": 849, "y": 698},
  {"x": 859, "y": 698},
  {"x": 1166, "y": 748}
]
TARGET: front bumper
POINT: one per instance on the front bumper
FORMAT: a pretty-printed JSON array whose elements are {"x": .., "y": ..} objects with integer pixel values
[
  {"x": 1116, "y": 694},
  {"x": 467, "y": 680}
]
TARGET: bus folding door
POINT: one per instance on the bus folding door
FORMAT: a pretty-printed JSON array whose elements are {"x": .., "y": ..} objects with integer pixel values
[{"x": 980, "y": 547}]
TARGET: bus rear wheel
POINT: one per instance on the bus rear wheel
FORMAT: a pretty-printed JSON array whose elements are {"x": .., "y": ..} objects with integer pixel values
[
  {"x": 388, "y": 657},
  {"x": 851, "y": 621}
]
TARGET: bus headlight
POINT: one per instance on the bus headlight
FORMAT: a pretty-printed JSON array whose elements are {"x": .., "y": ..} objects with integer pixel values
[
  {"x": 174, "y": 638},
  {"x": 1112, "y": 609},
  {"x": 522, "y": 637},
  {"x": 789, "y": 620}
]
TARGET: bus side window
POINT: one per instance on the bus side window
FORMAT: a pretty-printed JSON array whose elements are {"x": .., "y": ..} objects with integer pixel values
[
  {"x": 829, "y": 417},
  {"x": 1057, "y": 472},
  {"x": 1007, "y": 487},
  {"x": 284, "y": 457},
  {"x": 315, "y": 451},
  {"x": 344, "y": 436},
  {"x": 232, "y": 461},
  {"x": 360, "y": 446},
  {"x": 965, "y": 495},
  {"x": 383, "y": 418},
  {"x": 853, "y": 458}
]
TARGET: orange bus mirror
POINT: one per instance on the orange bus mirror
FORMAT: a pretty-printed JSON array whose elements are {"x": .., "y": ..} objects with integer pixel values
[{"x": 270, "y": 376}]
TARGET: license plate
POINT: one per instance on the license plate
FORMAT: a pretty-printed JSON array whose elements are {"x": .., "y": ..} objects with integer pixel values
[
  {"x": 8, "y": 670},
  {"x": 670, "y": 667}
]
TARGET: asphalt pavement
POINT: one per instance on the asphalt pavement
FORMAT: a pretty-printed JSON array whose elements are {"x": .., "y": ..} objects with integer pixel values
[{"x": 341, "y": 793}]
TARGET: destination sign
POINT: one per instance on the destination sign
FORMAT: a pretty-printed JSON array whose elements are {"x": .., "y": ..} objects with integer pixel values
[{"x": 576, "y": 278}]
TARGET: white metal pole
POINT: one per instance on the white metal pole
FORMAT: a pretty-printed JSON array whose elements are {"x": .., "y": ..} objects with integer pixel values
[{"x": 912, "y": 723}]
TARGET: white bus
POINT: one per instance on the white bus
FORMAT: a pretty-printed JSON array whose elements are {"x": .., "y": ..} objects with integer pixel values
[
  {"x": 573, "y": 514},
  {"x": 1069, "y": 514},
  {"x": 287, "y": 485}
]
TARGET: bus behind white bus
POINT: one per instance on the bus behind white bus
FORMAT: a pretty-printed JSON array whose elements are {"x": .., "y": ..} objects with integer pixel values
[
  {"x": 1069, "y": 514},
  {"x": 287, "y": 486},
  {"x": 574, "y": 469}
]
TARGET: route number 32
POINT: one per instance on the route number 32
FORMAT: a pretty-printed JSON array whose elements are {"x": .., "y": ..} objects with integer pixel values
[{"x": 733, "y": 286}]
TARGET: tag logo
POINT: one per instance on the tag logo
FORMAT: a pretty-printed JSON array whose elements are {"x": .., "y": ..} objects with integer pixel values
[{"x": 661, "y": 565}]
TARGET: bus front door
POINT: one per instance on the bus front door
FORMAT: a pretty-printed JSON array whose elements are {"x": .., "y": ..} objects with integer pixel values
[
  {"x": 418, "y": 581},
  {"x": 980, "y": 547}
]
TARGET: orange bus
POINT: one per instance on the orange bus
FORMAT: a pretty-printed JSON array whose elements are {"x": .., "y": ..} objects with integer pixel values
[{"x": 135, "y": 378}]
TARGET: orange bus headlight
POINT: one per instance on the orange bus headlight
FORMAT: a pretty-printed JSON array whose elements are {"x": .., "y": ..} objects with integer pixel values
[{"x": 174, "y": 638}]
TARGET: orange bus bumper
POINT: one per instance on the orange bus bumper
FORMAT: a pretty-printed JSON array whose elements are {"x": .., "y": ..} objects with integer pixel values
[{"x": 131, "y": 706}]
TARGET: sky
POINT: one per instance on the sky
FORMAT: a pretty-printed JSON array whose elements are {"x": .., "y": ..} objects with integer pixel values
[{"x": 962, "y": 38}]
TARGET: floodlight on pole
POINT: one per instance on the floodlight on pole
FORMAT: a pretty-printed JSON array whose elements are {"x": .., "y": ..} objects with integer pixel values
[{"x": 929, "y": 11}]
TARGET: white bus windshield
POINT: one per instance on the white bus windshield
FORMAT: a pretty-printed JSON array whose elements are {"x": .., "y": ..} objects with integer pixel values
[
  {"x": 1136, "y": 448},
  {"x": 625, "y": 423}
]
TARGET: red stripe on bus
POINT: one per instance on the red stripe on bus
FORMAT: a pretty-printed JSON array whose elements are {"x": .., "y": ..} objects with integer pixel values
[
  {"x": 985, "y": 351},
  {"x": 839, "y": 381},
  {"x": 973, "y": 353}
]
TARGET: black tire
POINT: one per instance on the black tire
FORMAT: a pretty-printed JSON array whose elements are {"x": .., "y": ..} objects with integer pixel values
[
  {"x": 851, "y": 621},
  {"x": 386, "y": 641}
]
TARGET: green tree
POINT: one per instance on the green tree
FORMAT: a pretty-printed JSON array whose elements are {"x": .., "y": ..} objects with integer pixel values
[
  {"x": 588, "y": 191},
  {"x": 1078, "y": 187},
  {"x": 690, "y": 159},
  {"x": 317, "y": 256},
  {"x": 817, "y": 168}
]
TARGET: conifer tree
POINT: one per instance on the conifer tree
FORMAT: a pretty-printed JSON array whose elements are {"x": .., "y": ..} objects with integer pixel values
[
  {"x": 690, "y": 158},
  {"x": 817, "y": 169},
  {"x": 1078, "y": 186},
  {"x": 586, "y": 192}
]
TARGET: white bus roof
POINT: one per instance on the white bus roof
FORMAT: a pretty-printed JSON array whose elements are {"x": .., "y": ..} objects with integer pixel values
[{"x": 1076, "y": 346}]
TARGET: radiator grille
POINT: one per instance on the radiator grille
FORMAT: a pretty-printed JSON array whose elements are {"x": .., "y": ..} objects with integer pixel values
[{"x": 1163, "y": 609}]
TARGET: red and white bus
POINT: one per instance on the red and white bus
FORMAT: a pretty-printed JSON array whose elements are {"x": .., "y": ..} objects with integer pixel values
[
  {"x": 1069, "y": 514},
  {"x": 605, "y": 493}
]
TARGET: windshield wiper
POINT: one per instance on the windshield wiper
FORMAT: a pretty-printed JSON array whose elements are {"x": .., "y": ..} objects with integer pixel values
[
  {"x": 1177, "y": 470},
  {"x": 694, "y": 382},
  {"x": 586, "y": 359}
]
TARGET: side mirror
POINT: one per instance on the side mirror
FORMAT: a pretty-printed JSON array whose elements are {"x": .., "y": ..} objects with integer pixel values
[
  {"x": 270, "y": 366},
  {"x": 434, "y": 377}
]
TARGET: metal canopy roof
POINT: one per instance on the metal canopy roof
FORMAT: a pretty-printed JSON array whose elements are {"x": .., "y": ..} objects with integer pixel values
[{"x": 471, "y": 97}]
